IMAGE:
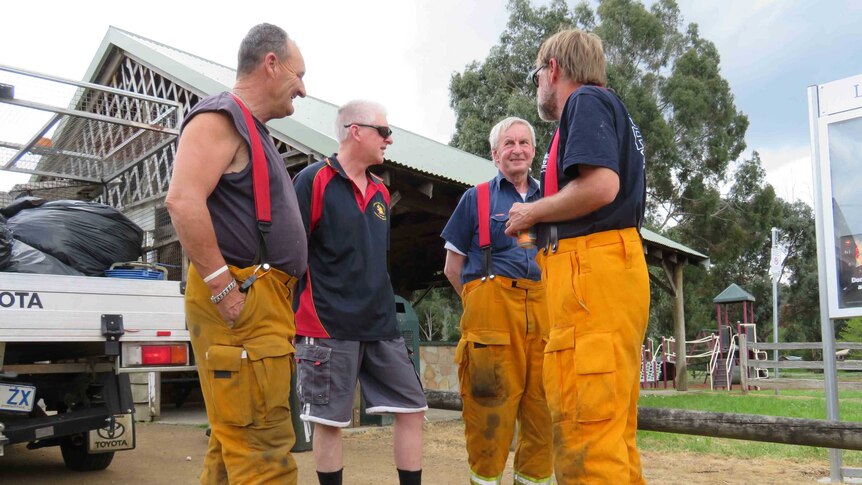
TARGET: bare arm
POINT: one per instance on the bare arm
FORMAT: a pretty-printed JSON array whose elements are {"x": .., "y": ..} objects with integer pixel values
[
  {"x": 594, "y": 188},
  {"x": 452, "y": 269},
  {"x": 207, "y": 149}
]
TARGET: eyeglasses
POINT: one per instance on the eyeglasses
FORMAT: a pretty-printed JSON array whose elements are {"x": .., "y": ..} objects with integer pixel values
[
  {"x": 533, "y": 76},
  {"x": 383, "y": 131}
]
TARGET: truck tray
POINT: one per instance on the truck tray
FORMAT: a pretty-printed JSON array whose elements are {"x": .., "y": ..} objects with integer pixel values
[{"x": 55, "y": 308}]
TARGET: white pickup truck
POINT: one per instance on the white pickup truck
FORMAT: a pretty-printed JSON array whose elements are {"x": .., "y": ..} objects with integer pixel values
[{"x": 67, "y": 347}]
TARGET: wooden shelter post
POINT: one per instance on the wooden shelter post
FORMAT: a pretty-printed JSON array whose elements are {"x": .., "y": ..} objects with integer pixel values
[{"x": 679, "y": 328}]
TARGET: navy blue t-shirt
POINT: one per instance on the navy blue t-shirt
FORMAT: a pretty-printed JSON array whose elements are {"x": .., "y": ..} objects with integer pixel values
[
  {"x": 346, "y": 292},
  {"x": 596, "y": 129},
  {"x": 462, "y": 231}
]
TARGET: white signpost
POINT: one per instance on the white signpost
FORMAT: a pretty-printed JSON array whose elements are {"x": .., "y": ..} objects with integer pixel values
[
  {"x": 776, "y": 267},
  {"x": 835, "y": 121}
]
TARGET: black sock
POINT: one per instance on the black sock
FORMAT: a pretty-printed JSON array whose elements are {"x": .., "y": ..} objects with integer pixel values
[
  {"x": 329, "y": 478},
  {"x": 409, "y": 477}
]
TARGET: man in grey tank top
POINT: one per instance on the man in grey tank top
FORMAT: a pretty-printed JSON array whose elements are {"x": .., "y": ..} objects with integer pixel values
[{"x": 238, "y": 309}]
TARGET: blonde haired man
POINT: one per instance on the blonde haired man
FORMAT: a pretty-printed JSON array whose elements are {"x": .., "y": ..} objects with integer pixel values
[{"x": 592, "y": 206}]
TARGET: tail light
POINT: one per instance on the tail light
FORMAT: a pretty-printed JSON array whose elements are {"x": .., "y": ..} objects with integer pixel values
[{"x": 157, "y": 355}]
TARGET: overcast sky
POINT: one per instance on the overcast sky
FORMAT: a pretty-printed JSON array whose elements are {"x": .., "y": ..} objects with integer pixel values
[{"x": 403, "y": 53}]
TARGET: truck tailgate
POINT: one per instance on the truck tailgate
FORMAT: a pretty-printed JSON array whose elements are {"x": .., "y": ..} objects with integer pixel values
[{"x": 46, "y": 308}]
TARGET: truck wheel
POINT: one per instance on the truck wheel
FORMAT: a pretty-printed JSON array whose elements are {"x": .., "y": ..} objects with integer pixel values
[{"x": 75, "y": 456}]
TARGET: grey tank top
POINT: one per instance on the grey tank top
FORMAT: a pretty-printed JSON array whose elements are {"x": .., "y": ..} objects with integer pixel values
[{"x": 231, "y": 204}]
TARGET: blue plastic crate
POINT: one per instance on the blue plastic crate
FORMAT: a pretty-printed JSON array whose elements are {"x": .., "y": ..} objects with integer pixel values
[{"x": 136, "y": 273}]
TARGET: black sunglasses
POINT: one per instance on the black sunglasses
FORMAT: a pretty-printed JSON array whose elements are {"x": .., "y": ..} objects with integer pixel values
[
  {"x": 533, "y": 76},
  {"x": 384, "y": 131}
]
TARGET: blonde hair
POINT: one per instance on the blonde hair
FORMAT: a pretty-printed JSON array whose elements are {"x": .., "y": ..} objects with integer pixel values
[{"x": 579, "y": 54}]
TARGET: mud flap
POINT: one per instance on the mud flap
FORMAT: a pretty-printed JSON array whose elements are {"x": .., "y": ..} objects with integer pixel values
[{"x": 117, "y": 434}]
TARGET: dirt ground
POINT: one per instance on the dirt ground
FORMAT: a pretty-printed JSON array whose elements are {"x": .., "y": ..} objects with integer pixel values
[{"x": 173, "y": 454}]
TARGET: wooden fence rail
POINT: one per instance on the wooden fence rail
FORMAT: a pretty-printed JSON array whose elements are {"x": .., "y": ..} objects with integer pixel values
[
  {"x": 805, "y": 364},
  {"x": 802, "y": 345},
  {"x": 751, "y": 427},
  {"x": 783, "y": 383}
]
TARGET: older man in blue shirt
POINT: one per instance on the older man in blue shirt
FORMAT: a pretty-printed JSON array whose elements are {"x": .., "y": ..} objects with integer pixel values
[{"x": 505, "y": 320}]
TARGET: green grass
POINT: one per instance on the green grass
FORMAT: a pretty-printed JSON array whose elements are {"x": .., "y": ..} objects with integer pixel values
[{"x": 794, "y": 404}]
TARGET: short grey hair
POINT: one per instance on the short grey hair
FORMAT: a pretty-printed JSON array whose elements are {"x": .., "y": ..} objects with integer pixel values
[
  {"x": 258, "y": 42},
  {"x": 356, "y": 111},
  {"x": 494, "y": 137}
]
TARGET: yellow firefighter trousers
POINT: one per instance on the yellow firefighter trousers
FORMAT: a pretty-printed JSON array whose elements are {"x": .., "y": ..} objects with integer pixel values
[
  {"x": 503, "y": 331},
  {"x": 245, "y": 380},
  {"x": 598, "y": 292}
]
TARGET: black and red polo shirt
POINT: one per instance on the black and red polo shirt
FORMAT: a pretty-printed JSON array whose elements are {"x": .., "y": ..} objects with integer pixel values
[{"x": 346, "y": 292}]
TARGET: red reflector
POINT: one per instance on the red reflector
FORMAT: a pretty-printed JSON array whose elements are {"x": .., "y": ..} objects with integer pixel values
[
  {"x": 163, "y": 333},
  {"x": 164, "y": 354},
  {"x": 155, "y": 355}
]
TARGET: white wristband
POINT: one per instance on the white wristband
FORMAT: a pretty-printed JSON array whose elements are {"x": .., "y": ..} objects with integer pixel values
[{"x": 215, "y": 274}]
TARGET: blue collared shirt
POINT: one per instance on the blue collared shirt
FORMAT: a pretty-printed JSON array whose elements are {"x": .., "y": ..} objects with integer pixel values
[{"x": 462, "y": 233}]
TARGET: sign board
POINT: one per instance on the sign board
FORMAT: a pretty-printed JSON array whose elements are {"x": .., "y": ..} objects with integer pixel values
[
  {"x": 836, "y": 149},
  {"x": 842, "y": 95},
  {"x": 776, "y": 261}
]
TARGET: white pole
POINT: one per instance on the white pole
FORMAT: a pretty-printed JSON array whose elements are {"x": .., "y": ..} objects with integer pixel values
[
  {"x": 827, "y": 329},
  {"x": 775, "y": 277}
]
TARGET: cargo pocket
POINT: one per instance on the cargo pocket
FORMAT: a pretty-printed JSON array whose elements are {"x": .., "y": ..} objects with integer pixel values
[
  {"x": 556, "y": 373},
  {"x": 313, "y": 374},
  {"x": 271, "y": 364},
  {"x": 595, "y": 364},
  {"x": 479, "y": 359},
  {"x": 230, "y": 383}
]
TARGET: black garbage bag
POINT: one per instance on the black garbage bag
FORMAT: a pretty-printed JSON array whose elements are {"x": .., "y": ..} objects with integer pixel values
[
  {"x": 87, "y": 236},
  {"x": 27, "y": 259},
  {"x": 20, "y": 204},
  {"x": 5, "y": 244}
]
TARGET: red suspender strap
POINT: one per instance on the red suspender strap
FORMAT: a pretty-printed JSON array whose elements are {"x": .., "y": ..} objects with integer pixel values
[
  {"x": 483, "y": 206},
  {"x": 550, "y": 184},
  {"x": 259, "y": 169},
  {"x": 483, "y": 203}
]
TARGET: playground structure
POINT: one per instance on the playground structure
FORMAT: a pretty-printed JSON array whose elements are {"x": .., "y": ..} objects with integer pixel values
[{"x": 717, "y": 351}]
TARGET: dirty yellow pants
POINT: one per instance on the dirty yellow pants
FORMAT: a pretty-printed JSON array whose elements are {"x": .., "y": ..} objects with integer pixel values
[
  {"x": 598, "y": 295},
  {"x": 245, "y": 380},
  {"x": 503, "y": 331}
]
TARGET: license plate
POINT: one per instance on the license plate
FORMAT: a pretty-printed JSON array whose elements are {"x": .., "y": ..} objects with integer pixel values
[
  {"x": 17, "y": 397},
  {"x": 113, "y": 436}
]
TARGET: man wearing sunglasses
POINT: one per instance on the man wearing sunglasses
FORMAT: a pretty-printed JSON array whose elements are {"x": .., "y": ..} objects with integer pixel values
[
  {"x": 592, "y": 206},
  {"x": 345, "y": 308},
  {"x": 241, "y": 334}
]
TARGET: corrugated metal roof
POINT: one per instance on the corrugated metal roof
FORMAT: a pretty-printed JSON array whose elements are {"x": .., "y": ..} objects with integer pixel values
[
  {"x": 310, "y": 128},
  {"x": 659, "y": 240}
]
